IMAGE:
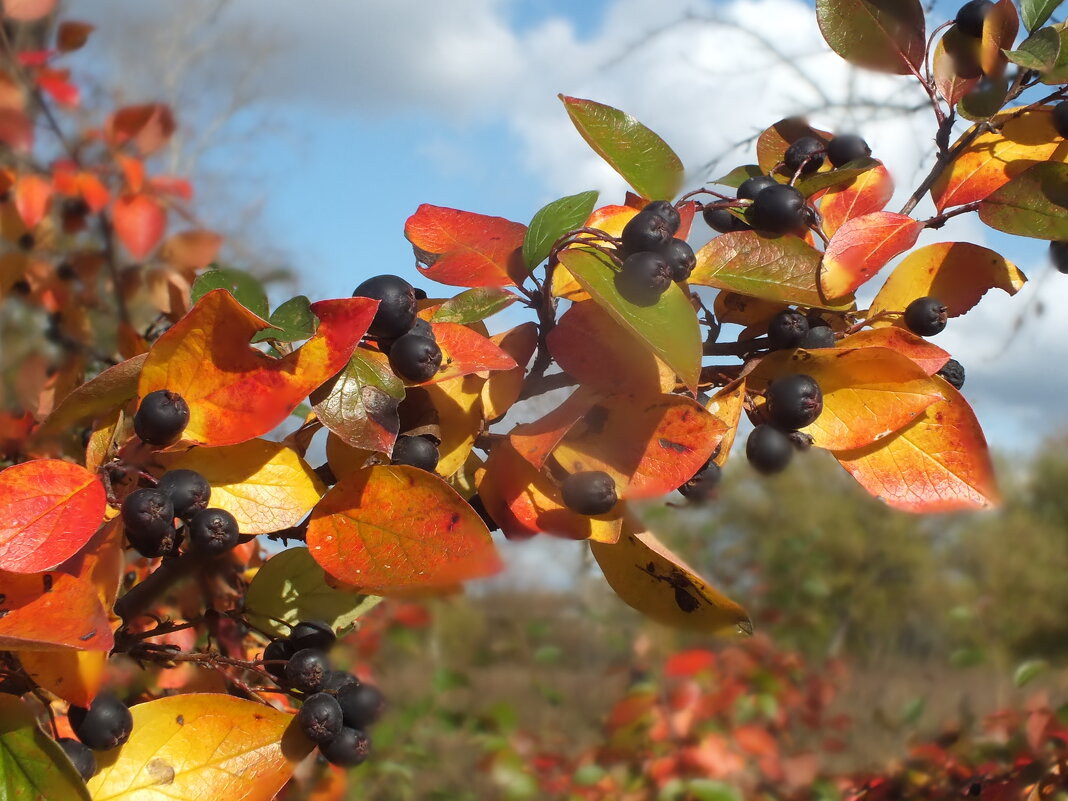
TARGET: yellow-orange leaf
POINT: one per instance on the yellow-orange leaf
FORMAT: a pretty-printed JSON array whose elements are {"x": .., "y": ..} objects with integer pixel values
[
  {"x": 75, "y": 676},
  {"x": 928, "y": 356},
  {"x": 867, "y": 193},
  {"x": 1000, "y": 27},
  {"x": 51, "y": 612},
  {"x": 727, "y": 405},
  {"x": 611, "y": 220},
  {"x": 201, "y": 747},
  {"x": 503, "y": 387},
  {"x": 32, "y": 195},
  {"x": 862, "y": 246},
  {"x": 458, "y": 402}
]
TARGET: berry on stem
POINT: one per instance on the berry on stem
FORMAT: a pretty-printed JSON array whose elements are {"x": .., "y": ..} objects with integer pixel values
[
  {"x": 396, "y": 307},
  {"x": 278, "y": 651},
  {"x": 361, "y": 704},
  {"x": 591, "y": 492},
  {"x": 306, "y": 670},
  {"x": 779, "y": 209},
  {"x": 213, "y": 532},
  {"x": 415, "y": 358},
  {"x": 723, "y": 221},
  {"x": 647, "y": 230},
  {"x": 334, "y": 680},
  {"x": 643, "y": 278},
  {"x": 806, "y": 155},
  {"x": 106, "y": 724},
  {"x": 704, "y": 483},
  {"x": 971, "y": 15},
  {"x": 817, "y": 336},
  {"x": 81, "y": 755},
  {"x": 348, "y": 749},
  {"x": 418, "y": 452},
  {"x": 312, "y": 634},
  {"x": 926, "y": 316},
  {"x": 148, "y": 519},
  {"x": 768, "y": 450},
  {"x": 320, "y": 718},
  {"x": 665, "y": 209},
  {"x": 161, "y": 418},
  {"x": 751, "y": 187},
  {"x": 787, "y": 328},
  {"x": 846, "y": 148},
  {"x": 188, "y": 490},
  {"x": 680, "y": 258},
  {"x": 794, "y": 401}
]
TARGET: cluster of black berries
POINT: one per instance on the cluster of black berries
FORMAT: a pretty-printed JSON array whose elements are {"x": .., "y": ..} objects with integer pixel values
[
  {"x": 926, "y": 316},
  {"x": 106, "y": 724},
  {"x": 653, "y": 257},
  {"x": 338, "y": 709},
  {"x": 408, "y": 340},
  {"x": 793, "y": 402},
  {"x": 792, "y": 329}
]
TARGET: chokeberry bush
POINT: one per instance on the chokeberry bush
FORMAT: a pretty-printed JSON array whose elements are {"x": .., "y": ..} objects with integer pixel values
[{"x": 143, "y": 617}]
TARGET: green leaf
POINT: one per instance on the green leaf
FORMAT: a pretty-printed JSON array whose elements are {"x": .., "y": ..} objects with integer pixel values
[
  {"x": 1036, "y": 12},
  {"x": 360, "y": 403},
  {"x": 1034, "y": 203},
  {"x": 739, "y": 175},
  {"x": 292, "y": 587},
  {"x": 243, "y": 286},
  {"x": 984, "y": 101},
  {"x": 631, "y": 149},
  {"x": 292, "y": 321},
  {"x": 1039, "y": 52},
  {"x": 882, "y": 35},
  {"x": 812, "y": 184},
  {"x": 32, "y": 766},
  {"x": 967, "y": 657},
  {"x": 913, "y": 711},
  {"x": 588, "y": 775},
  {"x": 552, "y": 222},
  {"x": 1028, "y": 671},
  {"x": 669, "y": 328},
  {"x": 1058, "y": 73},
  {"x": 474, "y": 305},
  {"x": 712, "y": 790}
]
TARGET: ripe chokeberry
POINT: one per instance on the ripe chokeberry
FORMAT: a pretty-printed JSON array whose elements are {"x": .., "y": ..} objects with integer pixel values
[
  {"x": 277, "y": 651},
  {"x": 80, "y": 755},
  {"x": 786, "y": 329},
  {"x": 794, "y": 401},
  {"x": 846, "y": 148},
  {"x": 680, "y": 258},
  {"x": 396, "y": 305},
  {"x": 643, "y": 278},
  {"x": 334, "y": 680},
  {"x": 926, "y": 316},
  {"x": 591, "y": 492},
  {"x": 768, "y": 450},
  {"x": 1058, "y": 253},
  {"x": 415, "y": 358},
  {"x": 148, "y": 519},
  {"x": 418, "y": 452},
  {"x": 971, "y": 15},
  {"x": 723, "y": 221},
  {"x": 704, "y": 483},
  {"x": 817, "y": 336},
  {"x": 645, "y": 231},
  {"x": 213, "y": 532},
  {"x": 953, "y": 372},
  {"x": 320, "y": 718},
  {"x": 779, "y": 209},
  {"x": 361, "y": 704},
  {"x": 805, "y": 154},
  {"x": 751, "y": 187},
  {"x": 106, "y": 724},
  {"x": 422, "y": 328},
  {"x": 161, "y": 418},
  {"x": 312, "y": 634},
  {"x": 306, "y": 670},
  {"x": 667, "y": 210},
  {"x": 188, "y": 490},
  {"x": 1060, "y": 118},
  {"x": 348, "y": 749}
]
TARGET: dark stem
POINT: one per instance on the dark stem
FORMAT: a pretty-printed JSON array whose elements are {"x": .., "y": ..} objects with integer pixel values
[{"x": 139, "y": 599}]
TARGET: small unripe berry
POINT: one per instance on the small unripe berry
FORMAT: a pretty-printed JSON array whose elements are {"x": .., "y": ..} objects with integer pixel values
[
  {"x": 786, "y": 329},
  {"x": 794, "y": 401},
  {"x": 320, "y": 718},
  {"x": 768, "y": 450},
  {"x": 361, "y": 704},
  {"x": 106, "y": 724},
  {"x": 418, "y": 452},
  {"x": 161, "y": 418},
  {"x": 591, "y": 492},
  {"x": 188, "y": 490},
  {"x": 806, "y": 155},
  {"x": 926, "y": 316},
  {"x": 348, "y": 749},
  {"x": 846, "y": 148},
  {"x": 396, "y": 307},
  {"x": 148, "y": 520},
  {"x": 306, "y": 670},
  {"x": 415, "y": 358}
]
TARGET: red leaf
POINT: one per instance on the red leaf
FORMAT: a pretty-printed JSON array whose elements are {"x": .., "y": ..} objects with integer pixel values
[
  {"x": 52, "y": 612},
  {"x": 73, "y": 35},
  {"x": 32, "y": 195},
  {"x": 16, "y": 130},
  {"x": 28, "y": 10},
  {"x": 140, "y": 222},
  {"x": 689, "y": 663},
  {"x": 170, "y": 185},
  {"x": 460, "y": 248},
  {"x": 55, "y": 83},
  {"x": 868, "y": 192},
  {"x": 534, "y": 441},
  {"x": 862, "y": 247},
  {"x": 920, "y": 351},
  {"x": 148, "y": 126},
  {"x": 465, "y": 351},
  {"x": 93, "y": 192}
]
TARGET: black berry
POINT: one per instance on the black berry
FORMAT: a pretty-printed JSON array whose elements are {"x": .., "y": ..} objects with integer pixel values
[
  {"x": 643, "y": 278},
  {"x": 786, "y": 329},
  {"x": 1058, "y": 253},
  {"x": 312, "y": 634},
  {"x": 723, "y": 221},
  {"x": 751, "y": 187},
  {"x": 320, "y": 718},
  {"x": 306, "y": 670},
  {"x": 768, "y": 450},
  {"x": 1060, "y": 118},
  {"x": 971, "y": 15},
  {"x": 702, "y": 486},
  {"x": 396, "y": 307},
  {"x": 806, "y": 155},
  {"x": 188, "y": 490},
  {"x": 667, "y": 210},
  {"x": 779, "y": 209},
  {"x": 645, "y": 231},
  {"x": 817, "y": 336},
  {"x": 953, "y": 372},
  {"x": 79, "y": 754},
  {"x": 334, "y": 680},
  {"x": 361, "y": 704},
  {"x": 161, "y": 418},
  {"x": 415, "y": 358},
  {"x": 105, "y": 725},
  {"x": 591, "y": 492},
  {"x": 846, "y": 148},
  {"x": 680, "y": 258},
  {"x": 794, "y": 401},
  {"x": 148, "y": 519},
  {"x": 348, "y": 749},
  {"x": 277, "y": 651},
  {"x": 422, "y": 328},
  {"x": 418, "y": 452},
  {"x": 926, "y": 316},
  {"x": 213, "y": 532},
  {"x": 65, "y": 272},
  {"x": 27, "y": 242}
]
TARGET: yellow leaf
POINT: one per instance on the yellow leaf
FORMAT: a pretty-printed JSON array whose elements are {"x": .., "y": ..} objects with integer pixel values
[
  {"x": 727, "y": 405},
  {"x": 343, "y": 458},
  {"x": 74, "y": 676},
  {"x": 201, "y": 747},
  {"x": 458, "y": 402}
]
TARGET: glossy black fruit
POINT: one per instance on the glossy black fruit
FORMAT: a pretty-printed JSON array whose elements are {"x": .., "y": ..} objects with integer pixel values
[
  {"x": 751, "y": 187},
  {"x": 422, "y": 328},
  {"x": 953, "y": 372},
  {"x": 320, "y": 718},
  {"x": 148, "y": 519},
  {"x": 105, "y": 725},
  {"x": 703, "y": 485},
  {"x": 348, "y": 749},
  {"x": 806, "y": 154},
  {"x": 971, "y": 15},
  {"x": 1060, "y": 118},
  {"x": 590, "y": 492},
  {"x": 361, "y": 704},
  {"x": 817, "y": 336},
  {"x": 680, "y": 258},
  {"x": 926, "y": 316},
  {"x": 306, "y": 670},
  {"x": 645, "y": 231},
  {"x": 643, "y": 278},
  {"x": 334, "y": 680},
  {"x": 786, "y": 329},
  {"x": 312, "y": 634},
  {"x": 418, "y": 452},
  {"x": 794, "y": 401},
  {"x": 213, "y": 532},
  {"x": 768, "y": 450},
  {"x": 779, "y": 209},
  {"x": 1058, "y": 253},
  {"x": 280, "y": 649},
  {"x": 846, "y": 148},
  {"x": 415, "y": 358},
  {"x": 723, "y": 221},
  {"x": 396, "y": 308},
  {"x": 161, "y": 418},
  {"x": 82, "y": 757},
  {"x": 667, "y": 210},
  {"x": 188, "y": 490}
]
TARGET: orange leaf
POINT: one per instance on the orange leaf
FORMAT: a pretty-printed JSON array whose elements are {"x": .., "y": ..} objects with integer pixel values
[
  {"x": 503, "y": 387},
  {"x": 71, "y": 35},
  {"x": 55, "y": 83},
  {"x": 753, "y": 314},
  {"x": 140, "y": 221},
  {"x": 16, "y": 130},
  {"x": 51, "y": 509},
  {"x": 93, "y": 191},
  {"x": 51, "y": 612},
  {"x": 727, "y": 406},
  {"x": 191, "y": 250},
  {"x": 929, "y": 357},
  {"x": 32, "y": 194},
  {"x": 149, "y": 127},
  {"x": 464, "y": 351},
  {"x": 391, "y": 528},
  {"x": 236, "y": 392},
  {"x": 862, "y": 246},
  {"x": 180, "y": 188},
  {"x": 133, "y": 170},
  {"x": 75, "y": 676},
  {"x": 460, "y": 248},
  {"x": 28, "y": 10},
  {"x": 534, "y": 441},
  {"x": 1000, "y": 27},
  {"x": 939, "y": 463},
  {"x": 101, "y": 562}
]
